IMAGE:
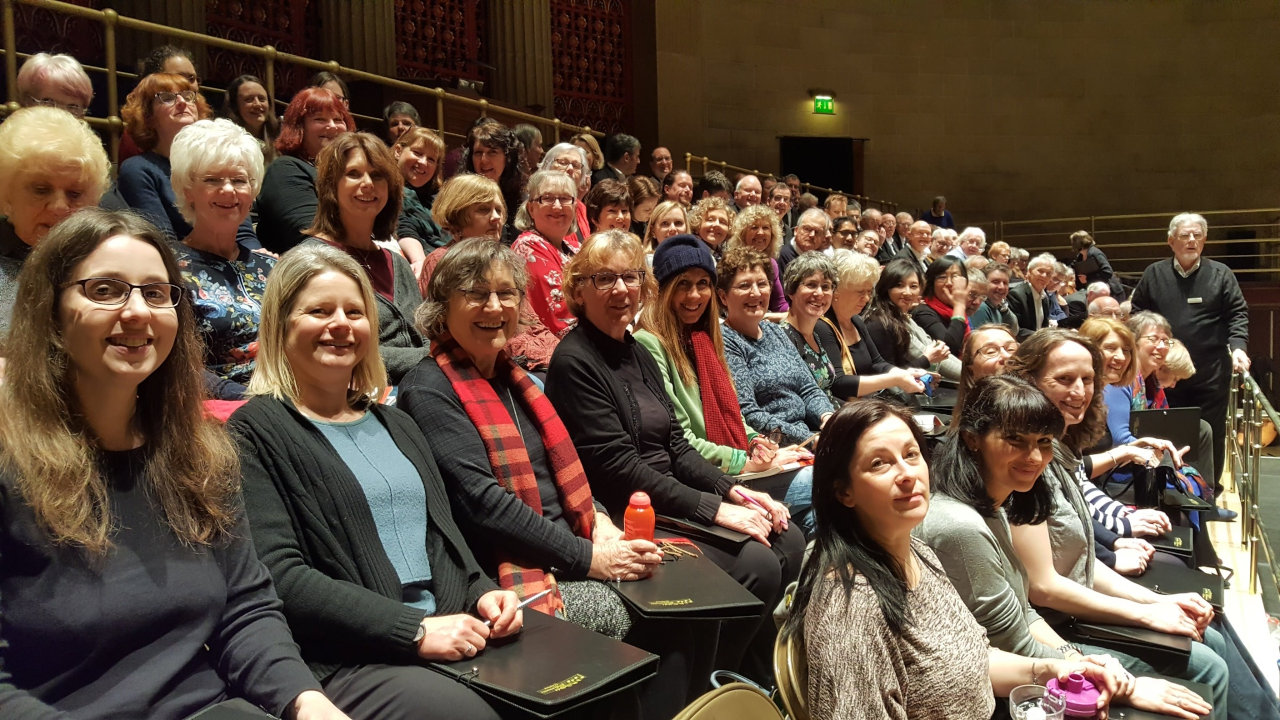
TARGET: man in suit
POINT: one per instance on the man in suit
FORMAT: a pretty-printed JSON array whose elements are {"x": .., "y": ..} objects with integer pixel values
[
  {"x": 813, "y": 232},
  {"x": 1028, "y": 300},
  {"x": 659, "y": 163},
  {"x": 917, "y": 248},
  {"x": 621, "y": 157},
  {"x": 746, "y": 193}
]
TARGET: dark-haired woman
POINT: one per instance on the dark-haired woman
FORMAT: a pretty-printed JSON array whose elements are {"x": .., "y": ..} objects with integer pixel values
[
  {"x": 130, "y": 588},
  {"x": 900, "y": 340},
  {"x": 942, "y": 313},
  {"x": 885, "y": 634},
  {"x": 247, "y": 104},
  {"x": 286, "y": 206},
  {"x": 1090, "y": 264},
  {"x": 494, "y": 151},
  {"x": 988, "y": 473},
  {"x": 359, "y": 189}
]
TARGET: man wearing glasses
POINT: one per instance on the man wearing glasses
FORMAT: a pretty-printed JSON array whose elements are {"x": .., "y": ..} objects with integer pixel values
[{"x": 1202, "y": 302}]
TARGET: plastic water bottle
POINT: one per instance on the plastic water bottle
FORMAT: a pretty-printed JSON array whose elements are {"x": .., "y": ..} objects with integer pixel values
[
  {"x": 1080, "y": 695},
  {"x": 927, "y": 381},
  {"x": 639, "y": 520}
]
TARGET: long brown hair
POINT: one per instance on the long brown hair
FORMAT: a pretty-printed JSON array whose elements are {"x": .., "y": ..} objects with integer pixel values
[
  {"x": 665, "y": 325},
  {"x": 1029, "y": 362},
  {"x": 331, "y": 164},
  {"x": 191, "y": 466}
]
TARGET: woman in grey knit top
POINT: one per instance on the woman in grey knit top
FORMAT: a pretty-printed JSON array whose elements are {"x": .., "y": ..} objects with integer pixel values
[{"x": 885, "y": 634}]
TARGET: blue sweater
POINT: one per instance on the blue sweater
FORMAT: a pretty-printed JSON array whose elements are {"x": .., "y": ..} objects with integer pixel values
[
  {"x": 775, "y": 388},
  {"x": 144, "y": 184}
]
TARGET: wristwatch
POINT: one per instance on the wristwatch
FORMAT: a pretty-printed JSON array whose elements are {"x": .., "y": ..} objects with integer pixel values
[
  {"x": 1066, "y": 648},
  {"x": 422, "y": 632}
]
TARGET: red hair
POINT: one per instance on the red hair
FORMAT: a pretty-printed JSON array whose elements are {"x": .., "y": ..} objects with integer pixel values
[
  {"x": 307, "y": 102},
  {"x": 140, "y": 106}
]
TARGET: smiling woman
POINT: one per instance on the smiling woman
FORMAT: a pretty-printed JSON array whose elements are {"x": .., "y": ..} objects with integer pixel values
[{"x": 546, "y": 220}]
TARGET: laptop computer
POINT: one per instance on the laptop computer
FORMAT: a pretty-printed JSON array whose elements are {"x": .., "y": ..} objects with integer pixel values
[{"x": 1180, "y": 426}]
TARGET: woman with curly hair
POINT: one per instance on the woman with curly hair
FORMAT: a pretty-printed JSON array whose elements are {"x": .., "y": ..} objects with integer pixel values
[
  {"x": 711, "y": 219},
  {"x": 758, "y": 228}
]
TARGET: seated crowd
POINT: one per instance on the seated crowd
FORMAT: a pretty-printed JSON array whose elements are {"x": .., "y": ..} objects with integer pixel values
[{"x": 442, "y": 389}]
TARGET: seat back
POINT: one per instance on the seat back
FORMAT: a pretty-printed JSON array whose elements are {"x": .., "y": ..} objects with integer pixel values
[
  {"x": 735, "y": 701},
  {"x": 791, "y": 670}
]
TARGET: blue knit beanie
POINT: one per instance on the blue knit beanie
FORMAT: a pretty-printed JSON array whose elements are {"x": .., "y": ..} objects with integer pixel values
[{"x": 680, "y": 253}]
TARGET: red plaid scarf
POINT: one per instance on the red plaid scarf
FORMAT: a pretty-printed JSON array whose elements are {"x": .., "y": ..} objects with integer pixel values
[
  {"x": 720, "y": 410},
  {"x": 509, "y": 459}
]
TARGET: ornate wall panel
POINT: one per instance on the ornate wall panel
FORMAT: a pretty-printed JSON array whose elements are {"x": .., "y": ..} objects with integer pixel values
[
  {"x": 45, "y": 31},
  {"x": 441, "y": 41},
  {"x": 290, "y": 26},
  {"x": 591, "y": 47}
]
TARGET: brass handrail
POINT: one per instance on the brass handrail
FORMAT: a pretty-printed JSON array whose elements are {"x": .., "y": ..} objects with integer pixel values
[
  {"x": 865, "y": 201},
  {"x": 1249, "y": 408}
]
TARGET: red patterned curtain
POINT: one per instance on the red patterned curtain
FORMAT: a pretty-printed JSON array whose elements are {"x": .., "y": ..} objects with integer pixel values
[
  {"x": 440, "y": 41},
  {"x": 591, "y": 44},
  {"x": 287, "y": 25}
]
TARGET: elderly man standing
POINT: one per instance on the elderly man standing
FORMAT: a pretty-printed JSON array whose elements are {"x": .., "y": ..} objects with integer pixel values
[
  {"x": 1203, "y": 303},
  {"x": 746, "y": 193},
  {"x": 1028, "y": 300}
]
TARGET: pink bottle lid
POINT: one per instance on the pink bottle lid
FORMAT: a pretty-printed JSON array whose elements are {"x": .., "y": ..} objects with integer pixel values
[
  {"x": 1080, "y": 696},
  {"x": 639, "y": 499}
]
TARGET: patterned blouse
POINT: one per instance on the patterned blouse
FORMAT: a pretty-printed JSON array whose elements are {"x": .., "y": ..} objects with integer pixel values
[
  {"x": 227, "y": 298},
  {"x": 546, "y": 278},
  {"x": 819, "y": 364}
]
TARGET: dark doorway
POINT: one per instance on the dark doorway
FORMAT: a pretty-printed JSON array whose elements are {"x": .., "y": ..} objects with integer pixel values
[{"x": 834, "y": 162}]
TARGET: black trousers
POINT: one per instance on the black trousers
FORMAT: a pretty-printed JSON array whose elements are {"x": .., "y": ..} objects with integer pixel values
[
  {"x": 404, "y": 692},
  {"x": 1208, "y": 389}
]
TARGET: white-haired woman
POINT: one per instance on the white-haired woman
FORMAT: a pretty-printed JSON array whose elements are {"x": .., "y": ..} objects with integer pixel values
[
  {"x": 216, "y": 172},
  {"x": 547, "y": 221},
  {"x": 55, "y": 81},
  {"x": 572, "y": 160}
]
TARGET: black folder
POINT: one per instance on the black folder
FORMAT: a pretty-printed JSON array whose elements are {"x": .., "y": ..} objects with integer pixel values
[
  {"x": 233, "y": 709},
  {"x": 1157, "y": 648},
  {"x": 1178, "y": 541},
  {"x": 689, "y": 587},
  {"x": 1180, "y": 426},
  {"x": 721, "y": 537},
  {"x": 1171, "y": 579},
  {"x": 551, "y": 667}
]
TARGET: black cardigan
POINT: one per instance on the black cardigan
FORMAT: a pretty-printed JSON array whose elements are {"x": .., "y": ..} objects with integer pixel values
[
  {"x": 866, "y": 357},
  {"x": 602, "y": 418},
  {"x": 948, "y": 330},
  {"x": 314, "y": 531},
  {"x": 882, "y": 336}
]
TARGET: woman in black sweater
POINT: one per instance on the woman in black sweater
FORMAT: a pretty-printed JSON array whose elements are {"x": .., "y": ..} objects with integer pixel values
[
  {"x": 942, "y": 313},
  {"x": 609, "y": 392},
  {"x": 341, "y": 491},
  {"x": 130, "y": 588}
]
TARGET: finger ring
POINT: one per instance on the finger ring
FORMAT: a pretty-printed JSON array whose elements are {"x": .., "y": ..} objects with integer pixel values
[
  {"x": 471, "y": 649},
  {"x": 617, "y": 578}
]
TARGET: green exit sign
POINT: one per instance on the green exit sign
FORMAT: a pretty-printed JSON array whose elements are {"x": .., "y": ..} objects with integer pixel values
[{"x": 824, "y": 105}]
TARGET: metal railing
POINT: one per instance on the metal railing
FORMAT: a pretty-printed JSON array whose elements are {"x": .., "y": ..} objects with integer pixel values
[
  {"x": 110, "y": 21},
  {"x": 1249, "y": 409},
  {"x": 709, "y": 164}
]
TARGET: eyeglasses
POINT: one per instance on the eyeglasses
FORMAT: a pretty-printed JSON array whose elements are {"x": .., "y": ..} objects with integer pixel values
[
  {"x": 1190, "y": 235},
  {"x": 167, "y": 98},
  {"x": 1156, "y": 340},
  {"x": 113, "y": 292},
  {"x": 747, "y": 286},
  {"x": 990, "y": 351},
  {"x": 553, "y": 200},
  {"x": 508, "y": 298},
  {"x": 607, "y": 280},
  {"x": 238, "y": 182},
  {"x": 565, "y": 162},
  {"x": 77, "y": 110}
]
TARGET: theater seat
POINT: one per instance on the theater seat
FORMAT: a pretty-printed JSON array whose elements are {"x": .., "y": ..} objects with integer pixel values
[
  {"x": 735, "y": 701},
  {"x": 791, "y": 672}
]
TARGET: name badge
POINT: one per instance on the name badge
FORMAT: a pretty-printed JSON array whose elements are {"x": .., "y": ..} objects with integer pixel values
[{"x": 1194, "y": 301}]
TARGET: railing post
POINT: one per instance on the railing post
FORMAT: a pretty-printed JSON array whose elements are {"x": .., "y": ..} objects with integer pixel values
[
  {"x": 109, "y": 18},
  {"x": 269, "y": 70},
  {"x": 11, "y": 54},
  {"x": 557, "y": 129},
  {"x": 688, "y": 162},
  {"x": 440, "y": 112}
]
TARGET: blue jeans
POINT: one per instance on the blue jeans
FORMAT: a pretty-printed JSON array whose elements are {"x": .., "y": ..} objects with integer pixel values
[
  {"x": 799, "y": 498},
  {"x": 1205, "y": 666}
]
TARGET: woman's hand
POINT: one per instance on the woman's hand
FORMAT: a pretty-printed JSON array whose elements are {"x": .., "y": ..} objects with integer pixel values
[
  {"x": 1163, "y": 446},
  {"x": 452, "y": 637},
  {"x": 1166, "y": 698},
  {"x": 790, "y": 454},
  {"x": 907, "y": 380},
  {"x": 1136, "y": 544},
  {"x": 1196, "y": 608},
  {"x": 959, "y": 294},
  {"x": 937, "y": 352},
  {"x": 623, "y": 560},
  {"x": 1101, "y": 670},
  {"x": 501, "y": 608},
  {"x": 1133, "y": 453},
  {"x": 1147, "y": 522},
  {"x": 775, "y": 512},
  {"x": 313, "y": 705},
  {"x": 1130, "y": 562},
  {"x": 1169, "y": 617},
  {"x": 744, "y": 520},
  {"x": 605, "y": 531}
]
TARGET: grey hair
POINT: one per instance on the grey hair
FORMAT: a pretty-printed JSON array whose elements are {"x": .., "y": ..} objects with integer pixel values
[
  {"x": 976, "y": 277},
  {"x": 1140, "y": 321},
  {"x": 207, "y": 145},
  {"x": 1181, "y": 218},
  {"x": 975, "y": 232},
  {"x": 805, "y": 265},
  {"x": 1061, "y": 268},
  {"x": 854, "y": 268},
  {"x": 812, "y": 213},
  {"x": 1018, "y": 254},
  {"x": 538, "y": 182},
  {"x": 465, "y": 264},
  {"x": 561, "y": 148},
  {"x": 1098, "y": 288},
  {"x": 738, "y": 186},
  {"x": 1042, "y": 259}
]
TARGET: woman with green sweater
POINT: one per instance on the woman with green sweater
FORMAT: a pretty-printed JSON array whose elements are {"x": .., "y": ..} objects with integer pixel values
[{"x": 682, "y": 333}]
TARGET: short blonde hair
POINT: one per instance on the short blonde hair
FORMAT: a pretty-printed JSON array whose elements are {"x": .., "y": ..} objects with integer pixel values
[
  {"x": 37, "y": 138},
  {"x": 597, "y": 251},
  {"x": 747, "y": 218},
  {"x": 273, "y": 375},
  {"x": 588, "y": 143},
  {"x": 458, "y": 194},
  {"x": 60, "y": 71},
  {"x": 1098, "y": 328},
  {"x": 1178, "y": 361},
  {"x": 418, "y": 135},
  {"x": 854, "y": 268},
  {"x": 207, "y": 145}
]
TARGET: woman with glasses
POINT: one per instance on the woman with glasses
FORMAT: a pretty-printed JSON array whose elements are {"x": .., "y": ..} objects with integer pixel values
[
  {"x": 758, "y": 228},
  {"x": 247, "y": 104},
  {"x": 51, "y": 164},
  {"x": 217, "y": 171},
  {"x": 547, "y": 220},
  {"x": 160, "y": 106},
  {"x": 900, "y": 340},
  {"x": 946, "y": 293},
  {"x": 287, "y": 205},
  {"x": 572, "y": 161},
  {"x": 984, "y": 354},
  {"x": 609, "y": 393},
  {"x": 130, "y": 586},
  {"x": 54, "y": 81},
  {"x": 359, "y": 188},
  {"x": 347, "y": 508}
]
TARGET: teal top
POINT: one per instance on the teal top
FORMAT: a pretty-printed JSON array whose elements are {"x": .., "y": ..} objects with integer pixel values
[
  {"x": 687, "y": 399},
  {"x": 396, "y": 496}
]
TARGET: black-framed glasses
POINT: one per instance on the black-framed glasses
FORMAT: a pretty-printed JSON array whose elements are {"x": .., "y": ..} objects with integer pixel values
[
  {"x": 167, "y": 98},
  {"x": 476, "y": 297},
  {"x": 553, "y": 200},
  {"x": 114, "y": 292},
  {"x": 606, "y": 280},
  {"x": 1157, "y": 340},
  {"x": 77, "y": 110},
  {"x": 990, "y": 351}
]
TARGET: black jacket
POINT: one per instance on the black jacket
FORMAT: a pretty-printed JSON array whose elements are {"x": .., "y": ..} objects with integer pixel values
[
  {"x": 602, "y": 418},
  {"x": 1021, "y": 301},
  {"x": 314, "y": 531},
  {"x": 950, "y": 330}
]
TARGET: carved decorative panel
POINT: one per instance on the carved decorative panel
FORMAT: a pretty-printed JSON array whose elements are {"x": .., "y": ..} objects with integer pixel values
[
  {"x": 287, "y": 25},
  {"x": 591, "y": 45},
  {"x": 40, "y": 30},
  {"x": 441, "y": 41}
]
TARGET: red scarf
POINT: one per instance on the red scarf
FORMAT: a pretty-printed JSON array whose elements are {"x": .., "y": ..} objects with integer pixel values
[
  {"x": 720, "y": 410},
  {"x": 944, "y": 312},
  {"x": 509, "y": 459}
]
